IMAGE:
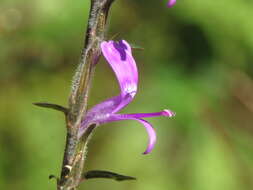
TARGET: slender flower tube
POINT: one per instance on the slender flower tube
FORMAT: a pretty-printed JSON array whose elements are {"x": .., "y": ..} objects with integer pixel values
[
  {"x": 171, "y": 3},
  {"x": 119, "y": 56}
]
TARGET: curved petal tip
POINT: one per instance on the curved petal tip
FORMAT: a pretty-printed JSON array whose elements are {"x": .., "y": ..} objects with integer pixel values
[
  {"x": 171, "y": 3},
  {"x": 152, "y": 135},
  {"x": 168, "y": 113}
]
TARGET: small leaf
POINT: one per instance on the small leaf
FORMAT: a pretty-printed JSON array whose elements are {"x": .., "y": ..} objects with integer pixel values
[
  {"x": 106, "y": 174},
  {"x": 52, "y": 106}
]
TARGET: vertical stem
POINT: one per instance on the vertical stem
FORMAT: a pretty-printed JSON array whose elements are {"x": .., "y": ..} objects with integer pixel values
[{"x": 75, "y": 149}]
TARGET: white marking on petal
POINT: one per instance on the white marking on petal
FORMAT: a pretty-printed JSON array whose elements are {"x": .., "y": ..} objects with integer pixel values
[
  {"x": 168, "y": 113},
  {"x": 131, "y": 89},
  {"x": 109, "y": 49}
]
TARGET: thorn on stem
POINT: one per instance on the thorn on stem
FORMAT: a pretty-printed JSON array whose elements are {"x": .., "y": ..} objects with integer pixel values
[{"x": 54, "y": 177}]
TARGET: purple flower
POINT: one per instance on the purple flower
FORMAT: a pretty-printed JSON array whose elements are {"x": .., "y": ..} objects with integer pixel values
[
  {"x": 119, "y": 57},
  {"x": 171, "y": 3}
]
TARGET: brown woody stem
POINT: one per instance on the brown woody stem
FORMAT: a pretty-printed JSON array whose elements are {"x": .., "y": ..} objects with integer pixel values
[{"x": 75, "y": 149}]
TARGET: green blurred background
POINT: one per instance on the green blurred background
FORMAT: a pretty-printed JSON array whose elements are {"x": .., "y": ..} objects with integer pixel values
[{"x": 197, "y": 61}]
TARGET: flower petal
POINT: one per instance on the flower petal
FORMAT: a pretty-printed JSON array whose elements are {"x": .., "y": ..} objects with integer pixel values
[
  {"x": 119, "y": 57},
  {"x": 166, "y": 113},
  {"x": 150, "y": 130},
  {"x": 171, "y": 3},
  {"x": 151, "y": 133},
  {"x": 99, "y": 113}
]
